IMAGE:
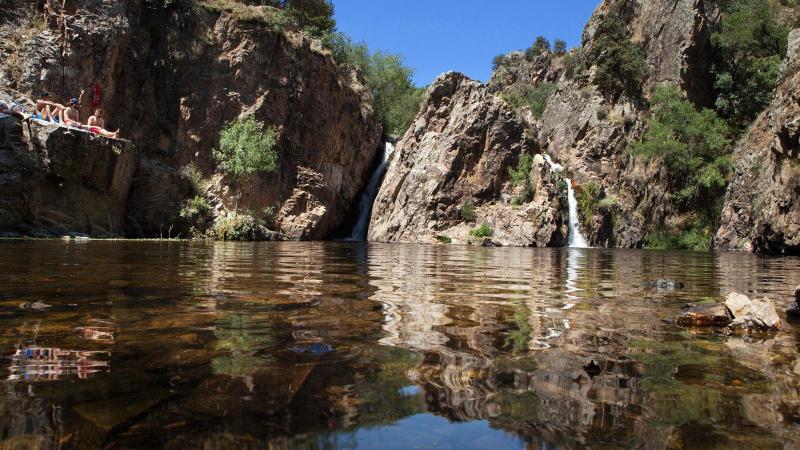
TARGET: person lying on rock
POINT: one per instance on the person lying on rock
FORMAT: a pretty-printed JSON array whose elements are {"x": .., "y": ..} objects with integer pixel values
[
  {"x": 4, "y": 109},
  {"x": 47, "y": 110},
  {"x": 96, "y": 125}
]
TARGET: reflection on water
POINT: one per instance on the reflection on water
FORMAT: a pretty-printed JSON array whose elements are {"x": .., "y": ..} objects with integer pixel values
[{"x": 348, "y": 345}]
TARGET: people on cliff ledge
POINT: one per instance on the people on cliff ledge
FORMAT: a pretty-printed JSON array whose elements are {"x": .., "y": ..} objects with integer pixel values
[{"x": 49, "y": 111}]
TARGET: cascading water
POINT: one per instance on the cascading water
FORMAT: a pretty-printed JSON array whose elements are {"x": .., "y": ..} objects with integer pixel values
[
  {"x": 576, "y": 239},
  {"x": 359, "y": 232}
]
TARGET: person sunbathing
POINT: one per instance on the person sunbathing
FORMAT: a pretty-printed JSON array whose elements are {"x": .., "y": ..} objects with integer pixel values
[
  {"x": 47, "y": 110},
  {"x": 72, "y": 116},
  {"x": 97, "y": 123},
  {"x": 4, "y": 109}
]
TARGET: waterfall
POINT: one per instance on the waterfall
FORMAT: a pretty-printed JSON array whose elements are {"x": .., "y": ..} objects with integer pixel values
[
  {"x": 575, "y": 239},
  {"x": 367, "y": 197}
]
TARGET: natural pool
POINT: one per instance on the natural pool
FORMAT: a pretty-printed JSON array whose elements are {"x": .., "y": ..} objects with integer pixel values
[{"x": 349, "y": 345}]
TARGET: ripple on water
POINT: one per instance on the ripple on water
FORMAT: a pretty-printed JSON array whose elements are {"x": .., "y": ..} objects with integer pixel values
[{"x": 354, "y": 345}]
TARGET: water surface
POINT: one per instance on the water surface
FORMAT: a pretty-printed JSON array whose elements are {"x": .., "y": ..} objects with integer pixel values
[{"x": 349, "y": 345}]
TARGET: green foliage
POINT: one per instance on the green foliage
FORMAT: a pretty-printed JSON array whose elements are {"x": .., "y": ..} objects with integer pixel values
[
  {"x": 482, "y": 231},
  {"x": 499, "y": 61},
  {"x": 467, "y": 211},
  {"x": 588, "y": 199},
  {"x": 194, "y": 176},
  {"x": 693, "y": 239},
  {"x": 239, "y": 227},
  {"x": 750, "y": 45},
  {"x": 575, "y": 64},
  {"x": 315, "y": 17},
  {"x": 444, "y": 239},
  {"x": 196, "y": 211},
  {"x": 521, "y": 174},
  {"x": 246, "y": 148},
  {"x": 535, "y": 98},
  {"x": 559, "y": 47},
  {"x": 397, "y": 100},
  {"x": 693, "y": 145},
  {"x": 540, "y": 46},
  {"x": 621, "y": 66}
]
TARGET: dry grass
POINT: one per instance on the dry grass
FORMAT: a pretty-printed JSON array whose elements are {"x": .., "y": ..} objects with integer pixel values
[{"x": 273, "y": 17}]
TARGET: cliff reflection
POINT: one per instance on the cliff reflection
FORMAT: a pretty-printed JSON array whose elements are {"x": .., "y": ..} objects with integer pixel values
[{"x": 289, "y": 345}]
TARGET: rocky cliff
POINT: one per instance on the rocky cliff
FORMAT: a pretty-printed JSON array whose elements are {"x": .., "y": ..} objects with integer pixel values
[
  {"x": 590, "y": 133},
  {"x": 171, "y": 74},
  {"x": 449, "y": 174},
  {"x": 56, "y": 181},
  {"x": 762, "y": 206}
]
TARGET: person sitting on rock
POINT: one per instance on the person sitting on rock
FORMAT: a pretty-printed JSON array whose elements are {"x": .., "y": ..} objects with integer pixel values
[
  {"x": 72, "y": 117},
  {"x": 47, "y": 110},
  {"x": 4, "y": 109},
  {"x": 96, "y": 125}
]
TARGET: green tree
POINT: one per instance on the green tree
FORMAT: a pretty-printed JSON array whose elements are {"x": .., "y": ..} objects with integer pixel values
[
  {"x": 621, "y": 66},
  {"x": 397, "y": 100},
  {"x": 693, "y": 145},
  {"x": 559, "y": 47},
  {"x": 315, "y": 17},
  {"x": 539, "y": 46},
  {"x": 246, "y": 148},
  {"x": 750, "y": 45}
]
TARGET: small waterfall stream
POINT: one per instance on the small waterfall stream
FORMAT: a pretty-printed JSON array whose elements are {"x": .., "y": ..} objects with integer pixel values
[
  {"x": 359, "y": 232},
  {"x": 576, "y": 239}
]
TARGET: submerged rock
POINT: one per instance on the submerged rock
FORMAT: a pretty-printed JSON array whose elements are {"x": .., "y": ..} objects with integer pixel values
[
  {"x": 665, "y": 284},
  {"x": 749, "y": 313},
  {"x": 716, "y": 315}
]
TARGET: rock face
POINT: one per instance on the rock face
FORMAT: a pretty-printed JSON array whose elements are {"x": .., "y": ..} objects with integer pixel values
[
  {"x": 171, "y": 76},
  {"x": 456, "y": 156},
  {"x": 590, "y": 134},
  {"x": 761, "y": 210},
  {"x": 715, "y": 315},
  {"x": 56, "y": 181}
]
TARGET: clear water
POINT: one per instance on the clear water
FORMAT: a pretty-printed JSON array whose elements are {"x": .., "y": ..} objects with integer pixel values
[{"x": 351, "y": 345}]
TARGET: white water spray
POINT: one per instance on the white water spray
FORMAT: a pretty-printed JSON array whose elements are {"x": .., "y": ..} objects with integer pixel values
[
  {"x": 575, "y": 239},
  {"x": 367, "y": 197}
]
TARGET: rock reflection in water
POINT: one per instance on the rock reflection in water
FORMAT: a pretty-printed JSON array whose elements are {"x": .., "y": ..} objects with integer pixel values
[{"x": 347, "y": 345}]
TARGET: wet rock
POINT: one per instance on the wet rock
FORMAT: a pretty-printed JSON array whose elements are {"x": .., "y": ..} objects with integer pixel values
[
  {"x": 108, "y": 413},
  {"x": 34, "y": 305},
  {"x": 794, "y": 309},
  {"x": 665, "y": 284},
  {"x": 749, "y": 313},
  {"x": 716, "y": 315}
]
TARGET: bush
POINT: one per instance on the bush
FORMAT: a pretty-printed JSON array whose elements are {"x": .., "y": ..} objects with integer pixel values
[
  {"x": 621, "y": 66},
  {"x": 467, "y": 211},
  {"x": 239, "y": 227},
  {"x": 444, "y": 239},
  {"x": 588, "y": 200},
  {"x": 535, "y": 98},
  {"x": 397, "y": 100},
  {"x": 693, "y": 239},
  {"x": 482, "y": 231},
  {"x": 693, "y": 145},
  {"x": 521, "y": 175},
  {"x": 246, "y": 148},
  {"x": 750, "y": 45},
  {"x": 196, "y": 211},
  {"x": 194, "y": 176},
  {"x": 540, "y": 46},
  {"x": 499, "y": 61}
]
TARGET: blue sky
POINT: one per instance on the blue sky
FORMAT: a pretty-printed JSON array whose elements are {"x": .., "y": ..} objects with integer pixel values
[{"x": 435, "y": 36}]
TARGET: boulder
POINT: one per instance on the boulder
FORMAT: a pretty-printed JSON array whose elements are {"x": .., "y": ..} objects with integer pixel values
[
  {"x": 716, "y": 315},
  {"x": 665, "y": 284},
  {"x": 749, "y": 313}
]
